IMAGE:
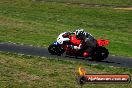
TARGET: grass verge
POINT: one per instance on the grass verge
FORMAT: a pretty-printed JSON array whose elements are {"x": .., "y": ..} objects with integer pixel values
[{"x": 38, "y": 72}]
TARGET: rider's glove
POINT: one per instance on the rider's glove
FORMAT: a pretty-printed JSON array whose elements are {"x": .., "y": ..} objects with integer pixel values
[{"x": 66, "y": 35}]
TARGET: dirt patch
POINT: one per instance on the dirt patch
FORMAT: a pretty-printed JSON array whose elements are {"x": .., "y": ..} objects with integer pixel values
[
  {"x": 85, "y": 5},
  {"x": 124, "y": 8}
]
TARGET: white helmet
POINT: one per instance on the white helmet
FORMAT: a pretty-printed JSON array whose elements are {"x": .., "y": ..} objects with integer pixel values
[{"x": 80, "y": 33}]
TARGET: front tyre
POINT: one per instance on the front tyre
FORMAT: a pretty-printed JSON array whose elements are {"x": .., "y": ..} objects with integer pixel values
[
  {"x": 99, "y": 53},
  {"x": 55, "y": 50}
]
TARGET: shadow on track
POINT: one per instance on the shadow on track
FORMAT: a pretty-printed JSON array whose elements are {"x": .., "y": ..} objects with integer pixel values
[{"x": 89, "y": 59}]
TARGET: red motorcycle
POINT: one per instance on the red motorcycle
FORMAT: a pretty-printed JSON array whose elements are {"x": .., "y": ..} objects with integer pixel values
[{"x": 97, "y": 53}]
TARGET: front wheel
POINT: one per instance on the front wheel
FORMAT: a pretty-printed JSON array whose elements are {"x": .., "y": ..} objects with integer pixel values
[
  {"x": 99, "y": 53},
  {"x": 55, "y": 50}
]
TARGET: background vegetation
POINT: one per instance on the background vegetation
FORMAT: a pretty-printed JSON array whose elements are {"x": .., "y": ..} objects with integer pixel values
[{"x": 40, "y": 23}]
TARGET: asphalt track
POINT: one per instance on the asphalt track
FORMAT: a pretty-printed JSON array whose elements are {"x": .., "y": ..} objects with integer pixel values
[{"x": 43, "y": 52}]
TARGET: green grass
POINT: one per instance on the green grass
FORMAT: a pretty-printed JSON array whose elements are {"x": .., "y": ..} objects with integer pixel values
[
  {"x": 39, "y": 23},
  {"x": 17, "y": 71}
]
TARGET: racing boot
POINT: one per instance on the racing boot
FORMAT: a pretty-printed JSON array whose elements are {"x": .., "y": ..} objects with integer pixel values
[{"x": 86, "y": 54}]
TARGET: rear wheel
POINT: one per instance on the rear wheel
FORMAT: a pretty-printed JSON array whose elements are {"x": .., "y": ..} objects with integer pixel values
[
  {"x": 99, "y": 53},
  {"x": 55, "y": 50}
]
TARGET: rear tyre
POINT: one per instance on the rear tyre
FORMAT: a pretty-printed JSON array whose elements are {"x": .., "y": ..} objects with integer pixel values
[
  {"x": 55, "y": 50},
  {"x": 99, "y": 53}
]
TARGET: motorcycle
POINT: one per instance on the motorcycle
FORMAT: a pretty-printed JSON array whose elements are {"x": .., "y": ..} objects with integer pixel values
[{"x": 59, "y": 47}]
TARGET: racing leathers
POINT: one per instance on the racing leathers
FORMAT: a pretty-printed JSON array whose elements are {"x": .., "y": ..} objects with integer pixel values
[{"x": 88, "y": 42}]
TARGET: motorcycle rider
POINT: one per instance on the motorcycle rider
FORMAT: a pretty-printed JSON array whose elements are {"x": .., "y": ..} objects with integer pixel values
[{"x": 88, "y": 42}]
